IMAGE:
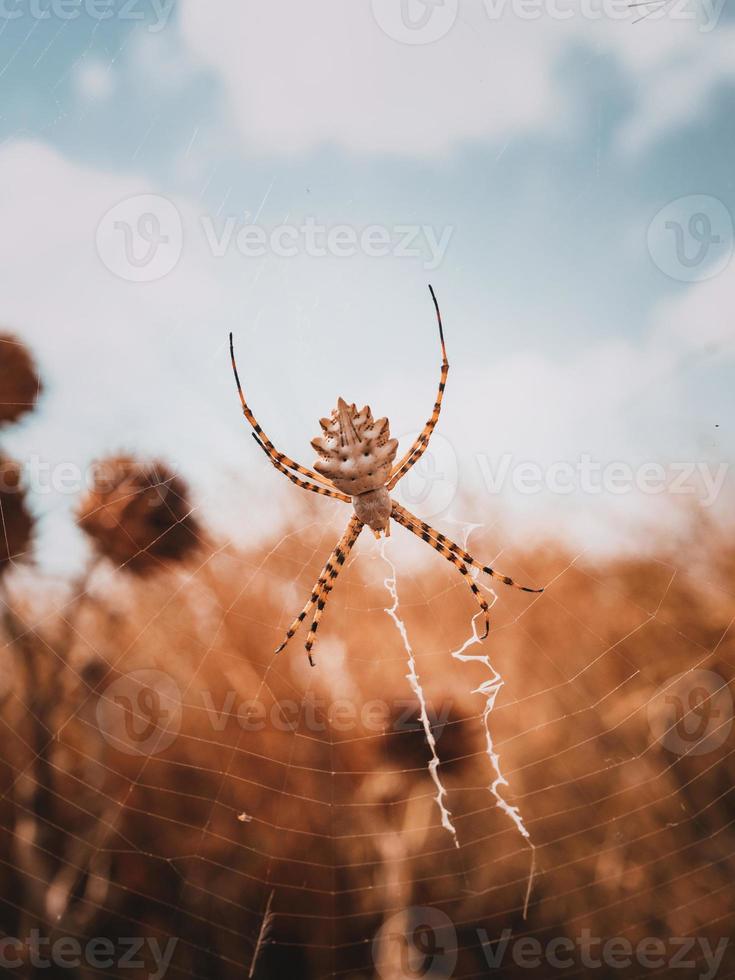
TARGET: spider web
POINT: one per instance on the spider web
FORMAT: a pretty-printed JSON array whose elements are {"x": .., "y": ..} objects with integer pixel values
[{"x": 283, "y": 820}]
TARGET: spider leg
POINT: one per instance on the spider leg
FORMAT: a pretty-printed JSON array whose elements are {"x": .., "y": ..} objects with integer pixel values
[
  {"x": 442, "y": 543},
  {"x": 459, "y": 565},
  {"x": 325, "y": 491},
  {"x": 339, "y": 555},
  {"x": 333, "y": 571},
  {"x": 419, "y": 447},
  {"x": 270, "y": 449}
]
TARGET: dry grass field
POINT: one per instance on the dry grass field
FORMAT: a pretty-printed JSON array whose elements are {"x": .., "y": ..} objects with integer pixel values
[{"x": 165, "y": 775}]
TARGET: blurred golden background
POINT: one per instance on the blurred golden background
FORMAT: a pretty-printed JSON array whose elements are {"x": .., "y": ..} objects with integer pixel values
[{"x": 165, "y": 775}]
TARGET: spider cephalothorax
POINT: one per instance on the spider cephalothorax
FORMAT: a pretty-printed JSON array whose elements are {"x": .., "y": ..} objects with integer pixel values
[
  {"x": 356, "y": 453},
  {"x": 356, "y": 464}
]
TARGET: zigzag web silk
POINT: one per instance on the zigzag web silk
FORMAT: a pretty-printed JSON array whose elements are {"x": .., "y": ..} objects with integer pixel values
[{"x": 489, "y": 689}]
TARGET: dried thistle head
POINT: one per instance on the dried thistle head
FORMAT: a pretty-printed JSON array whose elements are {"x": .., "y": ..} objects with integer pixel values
[
  {"x": 138, "y": 514},
  {"x": 20, "y": 384},
  {"x": 16, "y": 522}
]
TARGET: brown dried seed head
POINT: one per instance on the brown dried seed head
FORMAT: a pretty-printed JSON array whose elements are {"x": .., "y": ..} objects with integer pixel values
[
  {"x": 138, "y": 515},
  {"x": 16, "y": 523},
  {"x": 20, "y": 384}
]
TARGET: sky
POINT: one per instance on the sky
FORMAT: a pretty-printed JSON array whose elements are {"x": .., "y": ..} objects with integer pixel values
[{"x": 561, "y": 172}]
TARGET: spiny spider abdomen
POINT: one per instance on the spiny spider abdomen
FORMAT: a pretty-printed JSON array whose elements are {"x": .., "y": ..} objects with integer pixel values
[{"x": 355, "y": 452}]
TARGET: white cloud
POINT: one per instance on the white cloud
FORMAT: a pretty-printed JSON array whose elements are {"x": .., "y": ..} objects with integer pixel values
[
  {"x": 143, "y": 365},
  {"x": 676, "y": 81},
  {"x": 301, "y": 75},
  {"x": 702, "y": 321},
  {"x": 298, "y": 75},
  {"x": 94, "y": 80},
  {"x": 157, "y": 59}
]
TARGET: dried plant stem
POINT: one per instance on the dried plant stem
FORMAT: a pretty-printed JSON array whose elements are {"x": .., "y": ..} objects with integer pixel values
[{"x": 265, "y": 928}]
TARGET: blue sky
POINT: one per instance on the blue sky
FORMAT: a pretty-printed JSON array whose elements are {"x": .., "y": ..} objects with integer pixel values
[{"x": 541, "y": 146}]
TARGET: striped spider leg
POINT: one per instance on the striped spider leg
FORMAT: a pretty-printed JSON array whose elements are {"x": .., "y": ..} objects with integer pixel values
[
  {"x": 265, "y": 442},
  {"x": 444, "y": 544},
  {"x": 304, "y": 484},
  {"x": 324, "y": 585},
  {"x": 458, "y": 557},
  {"x": 459, "y": 565},
  {"x": 418, "y": 449},
  {"x": 333, "y": 567}
]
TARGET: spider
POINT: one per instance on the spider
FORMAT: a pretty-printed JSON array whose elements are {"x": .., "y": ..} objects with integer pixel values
[{"x": 356, "y": 464}]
